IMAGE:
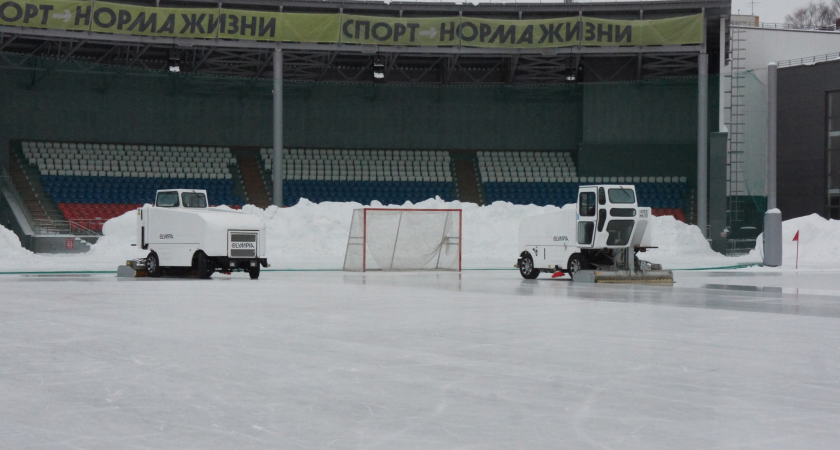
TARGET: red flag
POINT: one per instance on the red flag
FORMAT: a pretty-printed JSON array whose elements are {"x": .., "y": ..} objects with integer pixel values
[{"x": 796, "y": 238}]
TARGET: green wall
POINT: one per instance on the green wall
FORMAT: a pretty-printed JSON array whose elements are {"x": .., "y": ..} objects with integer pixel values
[
  {"x": 620, "y": 129},
  {"x": 643, "y": 129},
  {"x": 205, "y": 110}
]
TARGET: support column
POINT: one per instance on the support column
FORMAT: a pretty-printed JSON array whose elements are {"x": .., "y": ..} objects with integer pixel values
[
  {"x": 277, "y": 155},
  {"x": 703, "y": 143},
  {"x": 722, "y": 79},
  {"x": 772, "y": 86},
  {"x": 773, "y": 217}
]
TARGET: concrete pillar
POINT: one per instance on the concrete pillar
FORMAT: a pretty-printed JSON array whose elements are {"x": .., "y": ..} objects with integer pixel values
[
  {"x": 772, "y": 87},
  {"x": 772, "y": 238},
  {"x": 703, "y": 143},
  {"x": 773, "y": 217},
  {"x": 277, "y": 155}
]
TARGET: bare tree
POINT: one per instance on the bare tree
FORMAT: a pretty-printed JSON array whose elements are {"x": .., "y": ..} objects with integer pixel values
[{"x": 815, "y": 15}]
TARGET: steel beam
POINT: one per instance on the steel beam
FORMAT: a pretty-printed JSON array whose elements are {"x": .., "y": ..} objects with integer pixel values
[
  {"x": 703, "y": 143},
  {"x": 277, "y": 155},
  {"x": 346, "y": 48}
]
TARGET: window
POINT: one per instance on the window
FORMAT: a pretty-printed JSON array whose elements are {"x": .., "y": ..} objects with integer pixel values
[
  {"x": 587, "y": 204},
  {"x": 623, "y": 212},
  {"x": 602, "y": 197},
  {"x": 585, "y": 231},
  {"x": 619, "y": 232},
  {"x": 622, "y": 196},
  {"x": 193, "y": 200},
  {"x": 832, "y": 157},
  {"x": 167, "y": 199}
]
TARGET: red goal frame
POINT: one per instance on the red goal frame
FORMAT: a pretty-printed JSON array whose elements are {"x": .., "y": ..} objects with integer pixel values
[{"x": 460, "y": 230}]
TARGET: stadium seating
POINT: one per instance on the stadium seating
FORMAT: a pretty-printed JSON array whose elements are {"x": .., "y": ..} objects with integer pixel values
[
  {"x": 116, "y": 174},
  {"x": 550, "y": 178},
  {"x": 525, "y": 167},
  {"x": 389, "y": 176},
  {"x": 92, "y": 216}
]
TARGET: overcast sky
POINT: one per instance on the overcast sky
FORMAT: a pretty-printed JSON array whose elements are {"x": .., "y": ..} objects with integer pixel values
[{"x": 768, "y": 10}]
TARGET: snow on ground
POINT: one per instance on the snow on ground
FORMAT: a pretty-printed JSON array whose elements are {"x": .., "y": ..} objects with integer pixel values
[
  {"x": 10, "y": 248},
  {"x": 819, "y": 243},
  {"x": 310, "y": 236}
]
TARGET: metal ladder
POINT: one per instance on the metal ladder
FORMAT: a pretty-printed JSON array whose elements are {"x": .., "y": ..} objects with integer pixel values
[{"x": 736, "y": 186}]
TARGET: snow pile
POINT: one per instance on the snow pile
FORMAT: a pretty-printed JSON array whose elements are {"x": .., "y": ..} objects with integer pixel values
[
  {"x": 114, "y": 247},
  {"x": 682, "y": 246},
  {"x": 314, "y": 237},
  {"x": 10, "y": 247},
  {"x": 819, "y": 243}
]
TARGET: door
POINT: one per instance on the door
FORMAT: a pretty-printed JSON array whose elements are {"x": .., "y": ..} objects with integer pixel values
[{"x": 587, "y": 210}]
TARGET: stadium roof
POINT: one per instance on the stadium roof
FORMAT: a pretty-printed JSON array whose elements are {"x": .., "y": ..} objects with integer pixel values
[{"x": 340, "y": 62}]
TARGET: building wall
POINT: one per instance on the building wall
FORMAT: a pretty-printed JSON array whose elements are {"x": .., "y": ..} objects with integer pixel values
[
  {"x": 765, "y": 45},
  {"x": 802, "y": 135}
]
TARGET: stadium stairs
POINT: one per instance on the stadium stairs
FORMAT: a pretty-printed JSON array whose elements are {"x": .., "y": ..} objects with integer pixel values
[
  {"x": 467, "y": 179},
  {"x": 253, "y": 184},
  {"x": 27, "y": 182}
]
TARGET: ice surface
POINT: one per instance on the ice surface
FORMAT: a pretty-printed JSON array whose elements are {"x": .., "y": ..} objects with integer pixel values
[
  {"x": 310, "y": 236},
  {"x": 481, "y": 359}
]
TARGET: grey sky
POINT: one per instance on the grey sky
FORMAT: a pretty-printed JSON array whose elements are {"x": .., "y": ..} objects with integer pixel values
[{"x": 768, "y": 10}]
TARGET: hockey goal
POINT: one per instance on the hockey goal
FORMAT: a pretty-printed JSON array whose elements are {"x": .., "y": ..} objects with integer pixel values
[{"x": 404, "y": 239}]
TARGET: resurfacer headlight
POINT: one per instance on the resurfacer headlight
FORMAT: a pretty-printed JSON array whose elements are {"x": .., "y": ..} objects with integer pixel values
[
  {"x": 233, "y": 263},
  {"x": 253, "y": 264}
]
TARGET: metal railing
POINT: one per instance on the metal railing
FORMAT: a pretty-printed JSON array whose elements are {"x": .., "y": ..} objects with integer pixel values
[
  {"x": 80, "y": 227},
  {"x": 810, "y": 60},
  {"x": 739, "y": 247},
  {"x": 783, "y": 26}
]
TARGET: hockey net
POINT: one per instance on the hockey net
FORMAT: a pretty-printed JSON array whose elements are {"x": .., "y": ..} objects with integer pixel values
[{"x": 404, "y": 239}]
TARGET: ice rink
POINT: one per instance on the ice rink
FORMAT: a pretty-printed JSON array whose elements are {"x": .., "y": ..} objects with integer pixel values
[{"x": 481, "y": 359}]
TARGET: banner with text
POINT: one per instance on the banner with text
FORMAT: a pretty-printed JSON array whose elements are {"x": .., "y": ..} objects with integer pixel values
[
  {"x": 222, "y": 23},
  {"x": 612, "y": 33},
  {"x": 544, "y": 33},
  {"x": 398, "y": 31},
  {"x": 51, "y": 14}
]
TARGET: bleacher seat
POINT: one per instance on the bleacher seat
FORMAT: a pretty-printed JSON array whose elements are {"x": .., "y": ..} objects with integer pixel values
[
  {"x": 550, "y": 178},
  {"x": 120, "y": 174},
  {"x": 525, "y": 167},
  {"x": 388, "y": 176}
]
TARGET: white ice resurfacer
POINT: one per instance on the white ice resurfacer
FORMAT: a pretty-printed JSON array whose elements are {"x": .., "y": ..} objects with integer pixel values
[
  {"x": 181, "y": 231},
  {"x": 595, "y": 240}
]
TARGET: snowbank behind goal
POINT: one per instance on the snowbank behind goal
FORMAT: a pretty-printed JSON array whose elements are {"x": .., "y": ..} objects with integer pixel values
[{"x": 404, "y": 239}]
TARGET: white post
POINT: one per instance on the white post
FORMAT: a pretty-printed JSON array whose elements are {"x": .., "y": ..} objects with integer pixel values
[{"x": 277, "y": 154}]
